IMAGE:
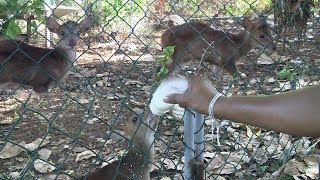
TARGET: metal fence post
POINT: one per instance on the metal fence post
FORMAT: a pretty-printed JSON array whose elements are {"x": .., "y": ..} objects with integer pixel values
[
  {"x": 188, "y": 123},
  {"x": 194, "y": 145},
  {"x": 199, "y": 146}
]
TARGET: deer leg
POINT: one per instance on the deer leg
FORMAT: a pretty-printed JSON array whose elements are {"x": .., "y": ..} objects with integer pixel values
[
  {"x": 232, "y": 69},
  {"x": 40, "y": 83},
  {"x": 218, "y": 71}
]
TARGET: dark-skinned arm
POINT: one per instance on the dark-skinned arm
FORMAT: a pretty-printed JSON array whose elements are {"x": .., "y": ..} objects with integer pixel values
[{"x": 295, "y": 112}]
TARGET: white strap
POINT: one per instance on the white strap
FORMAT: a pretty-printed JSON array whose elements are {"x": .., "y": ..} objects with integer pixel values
[
  {"x": 212, "y": 103},
  {"x": 213, "y": 119}
]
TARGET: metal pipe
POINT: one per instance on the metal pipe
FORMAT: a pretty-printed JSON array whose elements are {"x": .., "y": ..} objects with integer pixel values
[
  {"x": 199, "y": 146},
  {"x": 189, "y": 125}
]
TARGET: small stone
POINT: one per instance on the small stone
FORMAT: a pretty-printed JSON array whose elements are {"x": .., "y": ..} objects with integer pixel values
[
  {"x": 270, "y": 79},
  {"x": 20, "y": 159},
  {"x": 14, "y": 175},
  {"x": 44, "y": 153},
  {"x": 95, "y": 119},
  {"x": 102, "y": 74},
  {"x": 253, "y": 80},
  {"x": 90, "y": 121},
  {"x": 100, "y": 83},
  {"x": 43, "y": 167},
  {"x": 101, "y": 140}
]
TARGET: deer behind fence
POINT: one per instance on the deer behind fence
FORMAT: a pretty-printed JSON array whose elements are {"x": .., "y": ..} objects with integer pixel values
[
  {"x": 136, "y": 163},
  {"x": 197, "y": 40},
  {"x": 39, "y": 67}
]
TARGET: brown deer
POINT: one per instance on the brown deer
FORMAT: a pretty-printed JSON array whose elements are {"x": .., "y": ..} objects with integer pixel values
[
  {"x": 197, "y": 40},
  {"x": 159, "y": 6},
  {"x": 39, "y": 67},
  {"x": 136, "y": 163}
]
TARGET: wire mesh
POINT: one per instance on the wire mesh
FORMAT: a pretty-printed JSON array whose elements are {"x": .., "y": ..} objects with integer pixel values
[{"x": 73, "y": 129}]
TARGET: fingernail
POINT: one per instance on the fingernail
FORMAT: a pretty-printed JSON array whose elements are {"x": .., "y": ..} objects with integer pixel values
[{"x": 166, "y": 99}]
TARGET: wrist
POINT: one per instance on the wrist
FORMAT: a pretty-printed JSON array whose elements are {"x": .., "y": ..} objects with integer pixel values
[
  {"x": 204, "y": 107},
  {"x": 220, "y": 107},
  {"x": 212, "y": 105}
]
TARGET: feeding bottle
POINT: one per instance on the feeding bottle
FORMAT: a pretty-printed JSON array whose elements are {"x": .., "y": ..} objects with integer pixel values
[{"x": 170, "y": 85}]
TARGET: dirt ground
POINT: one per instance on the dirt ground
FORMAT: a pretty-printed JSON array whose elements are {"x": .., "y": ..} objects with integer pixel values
[{"x": 80, "y": 114}]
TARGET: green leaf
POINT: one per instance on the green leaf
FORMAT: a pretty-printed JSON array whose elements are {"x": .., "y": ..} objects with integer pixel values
[
  {"x": 286, "y": 74},
  {"x": 168, "y": 51},
  {"x": 11, "y": 29},
  {"x": 161, "y": 60},
  {"x": 171, "y": 49},
  {"x": 166, "y": 54},
  {"x": 162, "y": 70}
]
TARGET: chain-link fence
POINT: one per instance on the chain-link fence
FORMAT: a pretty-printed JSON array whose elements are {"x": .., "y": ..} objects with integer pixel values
[{"x": 77, "y": 126}]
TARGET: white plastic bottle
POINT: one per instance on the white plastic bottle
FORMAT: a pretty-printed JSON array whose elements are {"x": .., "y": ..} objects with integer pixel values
[{"x": 168, "y": 86}]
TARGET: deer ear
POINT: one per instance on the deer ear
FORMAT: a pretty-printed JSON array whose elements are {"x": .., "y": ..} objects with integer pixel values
[
  {"x": 87, "y": 22},
  {"x": 52, "y": 25},
  {"x": 247, "y": 23}
]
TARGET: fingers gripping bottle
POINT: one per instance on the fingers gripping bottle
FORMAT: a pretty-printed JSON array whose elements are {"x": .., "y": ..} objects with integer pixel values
[{"x": 170, "y": 85}]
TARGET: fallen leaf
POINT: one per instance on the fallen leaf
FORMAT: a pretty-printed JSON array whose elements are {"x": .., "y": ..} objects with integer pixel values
[
  {"x": 265, "y": 60},
  {"x": 294, "y": 167},
  {"x": 14, "y": 175},
  {"x": 273, "y": 148},
  {"x": 133, "y": 82},
  {"x": 165, "y": 178},
  {"x": 100, "y": 83},
  {"x": 169, "y": 164},
  {"x": 104, "y": 74},
  {"x": 216, "y": 177},
  {"x": 284, "y": 86},
  {"x": 55, "y": 177},
  {"x": 312, "y": 160},
  {"x": 43, "y": 166},
  {"x": 229, "y": 168},
  {"x": 312, "y": 172},
  {"x": 5, "y": 120},
  {"x": 93, "y": 120},
  {"x": 11, "y": 150},
  {"x": 44, "y": 153},
  {"x": 83, "y": 101},
  {"x": 39, "y": 142},
  {"x": 215, "y": 163},
  {"x": 87, "y": 72},
  {"x": 209, "y": 155},
  {"x": 85, "y": 155},
  {"x": 137, "y": 103},
  {"x": 253, "y": 132},
  {"x": 147, "y": 89},
  {"x": 285, "y": 141},
  {"x": 261, "y": 155},
  {"x": 270, "y": 79},
  {"x": 300, "y": 177}
]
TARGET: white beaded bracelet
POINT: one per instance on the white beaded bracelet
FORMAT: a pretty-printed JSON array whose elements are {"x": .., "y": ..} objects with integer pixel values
[{"x": 212, "y": 103}]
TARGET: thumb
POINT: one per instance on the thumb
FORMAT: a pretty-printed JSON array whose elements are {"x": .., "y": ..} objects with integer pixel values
[{"x": 174, "y": 99}]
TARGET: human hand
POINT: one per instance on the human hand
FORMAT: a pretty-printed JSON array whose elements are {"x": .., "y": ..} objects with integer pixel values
[{"x": 197, "y": 96}]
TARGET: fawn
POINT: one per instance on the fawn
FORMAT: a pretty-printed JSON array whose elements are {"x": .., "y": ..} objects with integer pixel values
[
  {"x": 136, "y": 163},
  {"x": 39, "y": 67},
  {"x": 197, "y": 40}
]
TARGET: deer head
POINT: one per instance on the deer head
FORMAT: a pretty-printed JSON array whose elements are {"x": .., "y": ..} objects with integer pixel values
[
  {"x": 69, "y": 32},
  {"x": 260, "y": 33}
]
